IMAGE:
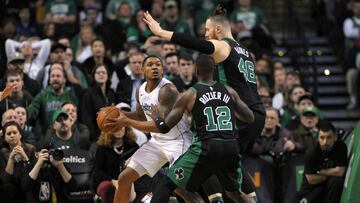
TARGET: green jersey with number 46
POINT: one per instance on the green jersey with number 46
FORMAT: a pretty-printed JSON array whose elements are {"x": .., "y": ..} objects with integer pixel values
[
  {"x": 212, "y": 112},
  {"x": 238, "y": 72}
]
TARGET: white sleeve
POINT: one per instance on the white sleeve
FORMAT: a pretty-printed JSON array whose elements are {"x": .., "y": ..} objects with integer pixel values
[
  {"x": 278, "y": 101},
  {"x": 349, "y": 30},
  {"x": 10, "y": 46},
  {"x": 45, "y": 46}
]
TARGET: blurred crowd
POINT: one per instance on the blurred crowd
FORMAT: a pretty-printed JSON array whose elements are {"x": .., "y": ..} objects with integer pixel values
[{"x": 69, "y": 58}]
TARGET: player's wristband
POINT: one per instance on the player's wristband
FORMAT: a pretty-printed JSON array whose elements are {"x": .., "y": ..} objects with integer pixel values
[
  {"x": 161, "y": 125},
  {"x": 192, "y": 42}
]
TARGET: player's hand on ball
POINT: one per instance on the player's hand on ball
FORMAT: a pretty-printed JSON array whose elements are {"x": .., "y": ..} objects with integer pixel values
[
  {"x": 117, "y": 123},
  {"x": 154, "y": 26}
]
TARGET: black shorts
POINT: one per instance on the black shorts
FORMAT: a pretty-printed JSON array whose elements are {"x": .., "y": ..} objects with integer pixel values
[
  {"x": 205, "y": 158},
  {"x": 248, "y": 133}
]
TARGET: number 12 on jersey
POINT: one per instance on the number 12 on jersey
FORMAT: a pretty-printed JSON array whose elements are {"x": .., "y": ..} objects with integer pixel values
[
  {"x": 223, "y": 118},
  {"x": 248, "y": 69}
]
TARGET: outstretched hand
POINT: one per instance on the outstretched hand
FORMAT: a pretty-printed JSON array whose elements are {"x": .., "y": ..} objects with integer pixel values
[{"x": 154, "y": 26}]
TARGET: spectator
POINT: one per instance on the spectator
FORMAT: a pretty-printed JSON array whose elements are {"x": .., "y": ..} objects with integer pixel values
[
  {"x": 96, "y": 96},
  {"x": 116, "y": 29},
  {"x": 351, "y": 25},
  {"x": 98, "y": 58},
  {"x": 57, "y": 55},
  {"x": 264, "y": 93},
  {"x": 279, "y": 78},
  {"x": 73, "y": 73},
  {"x": 325, "y": 166},
  {"x": 81, "y": 43},
  {"x": 19, "y": 96},
  {"x": 112, "y": 152},
  {"x": 25, "y": 25},
  {"x": 305, "y": 134},
  {"x": 291, "y": 109},
  {"x": 153, "y": 45},
  {"x": 168, "y": 47},
  {"x": 186, "y": 77},
  {"x": 63, "y": 137},
  {"x": 64, "y": 41},
  {"x": 45, "y": 103},
  {"x": 274, "y": 140},
  {"x": 76, "y": 127},
  {"x": 304, "y": 101},
  {"x": 113, "y": 6},
  {"x": 16, "y": 153},
  {"x": 172, "y": 21},
  {"x": 33, "y": 64},
  {"x": 292, "y": 78},
  {"x": 128, "y": 86},
  {"x": 91, "y": 15},
  {"x": 250, "y": 15},
  {"x": 263, "y": 72},
  {"x": 46, "y": 179},
  {"x": 28, "y": 135},
  {"x": 138, "y": 31},
  {"x": 63, "y": 15},
  {"x": 172, "y": 65}
]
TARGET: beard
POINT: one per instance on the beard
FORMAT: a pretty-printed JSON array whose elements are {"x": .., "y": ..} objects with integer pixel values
[
  {"x": 326, "y": 148},
  {"x": 56, "y": 86}
]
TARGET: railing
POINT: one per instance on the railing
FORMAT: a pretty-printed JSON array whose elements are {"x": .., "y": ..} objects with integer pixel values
[{"x": 297, "y": 44}]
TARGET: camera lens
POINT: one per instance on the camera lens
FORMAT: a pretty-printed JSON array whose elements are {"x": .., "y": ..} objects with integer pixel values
[{"x": 57, "y": 154}]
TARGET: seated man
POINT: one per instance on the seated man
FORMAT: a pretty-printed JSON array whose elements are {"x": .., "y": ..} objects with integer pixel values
[{"x": 325, "y": 166}]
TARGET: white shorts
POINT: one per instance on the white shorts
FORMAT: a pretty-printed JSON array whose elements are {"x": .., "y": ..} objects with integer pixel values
[{"x": 151, "y": 156}]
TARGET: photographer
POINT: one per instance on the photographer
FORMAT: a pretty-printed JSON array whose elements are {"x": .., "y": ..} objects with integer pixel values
[{"x": 47, "y": 179}]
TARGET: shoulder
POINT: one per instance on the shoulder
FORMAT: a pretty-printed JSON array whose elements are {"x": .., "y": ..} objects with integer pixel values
[
  {"x": 168, "y": 88},
  {"x": 340, "y": 146}
]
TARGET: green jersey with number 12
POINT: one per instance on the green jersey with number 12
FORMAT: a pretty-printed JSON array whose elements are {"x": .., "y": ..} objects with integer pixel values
[{"x": 212, "y": 112}]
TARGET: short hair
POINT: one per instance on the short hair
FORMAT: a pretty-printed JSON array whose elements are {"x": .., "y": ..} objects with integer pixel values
[
  {"x": 97, "y": 40},
  {"x": 63, "y": 69},
  {"x": 273, "y": 109},
  {"x": 185, "y": 56},
  {"x": 136, "y": 54},
  {"x": 326, "y": 126},
  {"x": 13, "y": 72},
  {"x": 205, "y": 64},
  {"x": 152, "y": 56},
  {"x": 68, "y": 102},
  {"x": 171, "y": 54},
  {"x": 219, "y": 16}
]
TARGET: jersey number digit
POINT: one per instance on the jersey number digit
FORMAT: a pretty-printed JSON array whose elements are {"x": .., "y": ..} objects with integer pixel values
[
  {"x": 248, "y": 69},
  {"x": 223, "y": 118}
]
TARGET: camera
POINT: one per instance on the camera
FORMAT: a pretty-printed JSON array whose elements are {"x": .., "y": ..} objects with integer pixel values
[{"x": 57, "y": 154}]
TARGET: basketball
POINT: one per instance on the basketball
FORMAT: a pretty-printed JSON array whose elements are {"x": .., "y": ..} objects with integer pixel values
[{"x": 104, "y": 114}]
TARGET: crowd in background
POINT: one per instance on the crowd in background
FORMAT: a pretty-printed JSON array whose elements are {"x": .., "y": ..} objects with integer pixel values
[{"x": 69, "y": 58}]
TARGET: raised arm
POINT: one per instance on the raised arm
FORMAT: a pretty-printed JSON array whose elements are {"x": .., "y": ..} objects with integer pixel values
[
  {"x": 219, "y": 50},
  {"x": 242, "y": 111}
]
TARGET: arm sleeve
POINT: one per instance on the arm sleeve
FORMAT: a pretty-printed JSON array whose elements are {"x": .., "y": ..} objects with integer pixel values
[
  {"x": 43, "y": 54},
  {"x": 10, "y": 46},
  {"x": 34, "y": 108},
  {"x": 191, "y": 42}
]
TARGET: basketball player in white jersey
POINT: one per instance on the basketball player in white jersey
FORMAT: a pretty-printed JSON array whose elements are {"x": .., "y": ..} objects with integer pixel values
[{"x": 161, "y": 148}]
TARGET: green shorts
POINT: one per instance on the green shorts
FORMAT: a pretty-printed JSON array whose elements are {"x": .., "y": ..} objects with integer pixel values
[{"x": 205, "y": 158}]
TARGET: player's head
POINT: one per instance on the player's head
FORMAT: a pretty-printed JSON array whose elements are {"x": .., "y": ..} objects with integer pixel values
[
  {"x": 153, "y": 68},
  {"x": 327, "y": 136},
  {"x": 217, "y": 25},
  {"x": 205, "y": 66}
]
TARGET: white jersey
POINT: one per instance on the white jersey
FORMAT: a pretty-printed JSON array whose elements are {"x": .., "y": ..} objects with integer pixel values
[{"x": 148, "y": 99}]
